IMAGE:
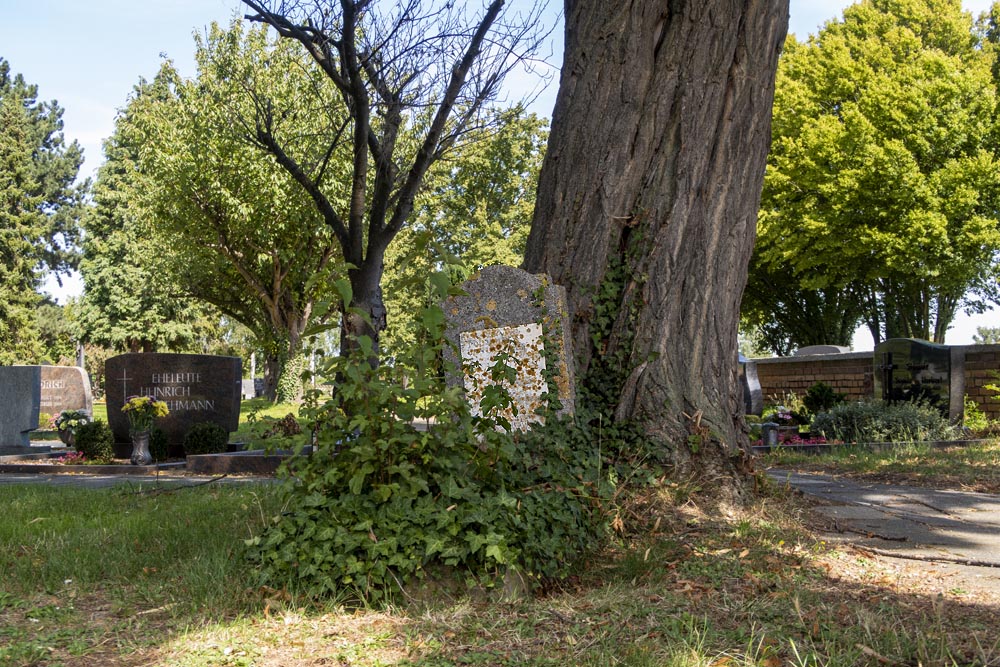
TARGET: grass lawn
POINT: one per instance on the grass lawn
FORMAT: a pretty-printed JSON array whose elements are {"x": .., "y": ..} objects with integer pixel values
[
  {"x": 973, "y": 467},
  {"x": 129, "y": 577}
]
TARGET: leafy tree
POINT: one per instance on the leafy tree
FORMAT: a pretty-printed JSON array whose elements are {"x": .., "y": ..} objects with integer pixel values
[
  {"x": 411, "y": 80},
  {"x": 20, "y": 223},
  {"x": 38, "y": 208},
  {"x": 55, "y": 331},
  {"x": 645, "y": 211},
  {"x": 241, "y": 232},
  {"x": 987, "y": 336},
  {"x": 476, "y": 207},
  {"x": 883, "y": 183},
  {"x": 130, "y": 303}
]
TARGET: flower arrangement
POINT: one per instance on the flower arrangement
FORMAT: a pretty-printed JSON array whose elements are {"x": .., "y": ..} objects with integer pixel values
[
  {"x": 69, "y": 420},
  {"x": 142, "y": 411},
  {"x": 783, "y": 416}
]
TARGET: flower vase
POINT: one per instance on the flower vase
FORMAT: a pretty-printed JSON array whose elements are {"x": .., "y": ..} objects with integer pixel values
[
  {"x": 140, "y": 448},
  {"x": 68, "y": 437}
]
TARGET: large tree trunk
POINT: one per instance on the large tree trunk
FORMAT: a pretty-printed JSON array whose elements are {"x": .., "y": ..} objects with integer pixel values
[{"x": 649, "y": 193}]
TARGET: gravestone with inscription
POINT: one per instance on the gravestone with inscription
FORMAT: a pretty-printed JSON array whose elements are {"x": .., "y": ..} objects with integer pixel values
[
  {"x": 196, "y": 388},
  {"x": 507, "y": 311},
  {"x": 65, "y": 388},
  {"x": 20, "y": 398},
  {"x": 907, "y": 369}
]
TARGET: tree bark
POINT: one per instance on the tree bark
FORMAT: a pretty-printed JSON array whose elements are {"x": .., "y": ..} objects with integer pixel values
[{"x": 655, "y": 164}]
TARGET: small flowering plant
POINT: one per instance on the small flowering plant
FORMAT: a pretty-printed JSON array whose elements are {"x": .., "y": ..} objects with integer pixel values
[
  {"x": 72, "y": 458},
  {"x": 69, "y": 420},
  {"x": 142, "y": 411}
]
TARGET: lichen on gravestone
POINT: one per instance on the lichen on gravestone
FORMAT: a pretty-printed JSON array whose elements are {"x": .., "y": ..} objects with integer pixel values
[{"x": 508, "y": 313}]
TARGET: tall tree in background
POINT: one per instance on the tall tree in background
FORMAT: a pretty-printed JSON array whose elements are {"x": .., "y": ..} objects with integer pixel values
[
  {"x": 883, "y": 184},
  {"x": 986, "y": 336},
  {"x": 239, "y": 231},
  {"x": 427, "y": 67},
  {"x": 647, "y": 206},
  {"x": 39, "y": 205},
  {"x": 130, "y": 302}
]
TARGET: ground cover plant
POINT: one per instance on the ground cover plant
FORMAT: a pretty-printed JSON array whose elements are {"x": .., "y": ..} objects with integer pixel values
[{"x": 381, "y": 502}]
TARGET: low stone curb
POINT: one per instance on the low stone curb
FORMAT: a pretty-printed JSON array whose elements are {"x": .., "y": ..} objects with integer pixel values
[{"x": 59, "y": 469}]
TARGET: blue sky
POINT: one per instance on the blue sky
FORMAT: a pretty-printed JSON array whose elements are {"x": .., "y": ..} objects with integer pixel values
[{"x": 88, "y": 55}]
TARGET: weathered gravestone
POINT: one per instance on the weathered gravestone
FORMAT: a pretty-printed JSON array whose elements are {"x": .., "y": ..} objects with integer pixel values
[
  {"x": 907, "y": 369},
  {"x": 20, "y": 401},
  {"x": 507, "y": 311},
  {"x": 65, "y": 388},
  {"x": 196, "y": 388}
]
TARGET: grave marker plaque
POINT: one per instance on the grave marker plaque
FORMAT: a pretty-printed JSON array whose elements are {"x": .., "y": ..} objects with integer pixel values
[
  {"x": 196, "y": 387},
  {"x": 907, "y": 369},
  {"x": 509, "y": 311}
]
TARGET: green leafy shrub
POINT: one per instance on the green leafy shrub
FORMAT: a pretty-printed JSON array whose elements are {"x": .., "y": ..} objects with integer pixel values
[
  {"x": 95, "y": 440},
  {"x": 876, "y": 421},
  {"x": 206, "y": 438},
  {"x": 45, "y": 421},
  {"x": 380, "y": 502},
  {"x": 821, "y": 397},
  {"x": 158, "y": 446}
]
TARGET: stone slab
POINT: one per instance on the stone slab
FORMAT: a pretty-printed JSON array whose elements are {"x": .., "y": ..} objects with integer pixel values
[
  {"x": 505, "y": 309},
  {"x": 196, "y": 387},
  {"x": 20, "y": 402},
  {"x": 812, "y": 350},
  {"x": 251, "y": 463}
]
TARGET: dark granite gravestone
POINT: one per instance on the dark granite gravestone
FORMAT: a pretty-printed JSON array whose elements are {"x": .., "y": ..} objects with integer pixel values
[
  {"x": 20, "y": 399},
  {"x": 65, "y": 388},
  {"x": 907, "y": 369},
  {"x": 753, "y": 396},
  {"x": 509, "y": 310},
  {"x": 196, "y": 387}
]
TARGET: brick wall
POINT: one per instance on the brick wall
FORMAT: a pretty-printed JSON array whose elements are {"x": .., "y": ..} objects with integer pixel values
[
  {"x": 849, "y": 373},
  {"x": 852, "y": 374},
  {"x": 981, "y": 367}
]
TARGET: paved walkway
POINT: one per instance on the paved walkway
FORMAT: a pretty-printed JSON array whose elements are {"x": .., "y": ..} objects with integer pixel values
[
  {"x": 958, "y": 532},
  {"x": 107, "y": 481}
]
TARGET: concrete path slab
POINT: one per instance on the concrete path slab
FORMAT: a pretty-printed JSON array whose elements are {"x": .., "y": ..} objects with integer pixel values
[{"x": 954, "y": 526}]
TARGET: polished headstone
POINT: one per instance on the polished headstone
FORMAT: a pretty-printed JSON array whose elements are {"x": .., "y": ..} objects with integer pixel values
[
  {"x": 196, "y": 387},
  {"x": 907, "y": 369}
]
